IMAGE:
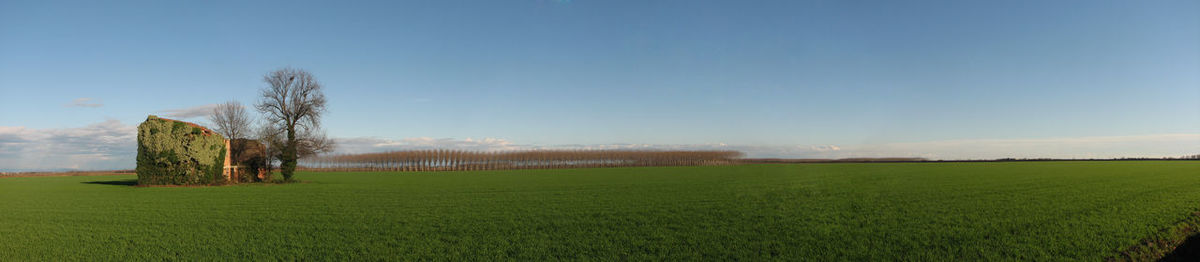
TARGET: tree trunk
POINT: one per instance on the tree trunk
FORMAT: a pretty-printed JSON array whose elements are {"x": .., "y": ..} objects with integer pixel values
[{"x": 287, "y": 164}]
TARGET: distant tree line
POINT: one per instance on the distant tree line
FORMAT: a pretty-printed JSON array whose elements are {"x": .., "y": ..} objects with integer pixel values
[
  {"x": 1188, "y": 157},
  {"x": 459, "y": 160},
  {"x": 827, "y": 160},
  {"x": 918, "y": 159}
]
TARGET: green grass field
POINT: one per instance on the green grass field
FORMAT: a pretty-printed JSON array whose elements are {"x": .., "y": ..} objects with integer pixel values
[{"x": 903, "y": 211}]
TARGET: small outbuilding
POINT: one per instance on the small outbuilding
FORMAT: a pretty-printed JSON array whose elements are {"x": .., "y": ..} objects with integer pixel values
[{"x": 248, "y": 163}]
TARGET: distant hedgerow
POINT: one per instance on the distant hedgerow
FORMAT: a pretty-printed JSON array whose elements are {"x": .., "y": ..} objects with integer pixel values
[{"x": 457, "y": 160}]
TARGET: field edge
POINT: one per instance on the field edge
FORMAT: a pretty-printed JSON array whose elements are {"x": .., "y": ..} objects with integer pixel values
[{"x": 1162, "y": 244}]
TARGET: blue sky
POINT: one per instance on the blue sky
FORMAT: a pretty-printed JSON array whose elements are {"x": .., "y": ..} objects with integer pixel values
[{"x": 775, "y": 78}]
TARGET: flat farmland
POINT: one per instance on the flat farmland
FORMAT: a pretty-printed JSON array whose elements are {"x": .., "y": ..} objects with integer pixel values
[{"x": 879, "y": 211}]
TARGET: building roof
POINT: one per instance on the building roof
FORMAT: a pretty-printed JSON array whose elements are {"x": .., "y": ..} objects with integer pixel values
[{"x": 205, "y": 130}]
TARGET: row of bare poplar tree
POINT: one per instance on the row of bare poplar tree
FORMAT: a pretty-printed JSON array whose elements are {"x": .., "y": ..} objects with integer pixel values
[{"x": 458, "y": 160}]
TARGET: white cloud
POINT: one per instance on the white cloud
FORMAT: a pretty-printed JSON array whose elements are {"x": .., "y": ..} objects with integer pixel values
[
  {"x": 824, "y": 148},
  {"x": 85, "y": 102},
  {"x": 1158, "y": 145},
  {"x": 1162, "y": 145},
  {"x": 190, "y": 112},
  {"x": 105, "y": 145},
  {"x": 373, "y": 144}
]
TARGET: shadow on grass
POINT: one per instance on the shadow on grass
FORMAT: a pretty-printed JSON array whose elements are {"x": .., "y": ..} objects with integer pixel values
[
  {"x": 127, "y": 182},
  {"x": 1188, "y": 251}
]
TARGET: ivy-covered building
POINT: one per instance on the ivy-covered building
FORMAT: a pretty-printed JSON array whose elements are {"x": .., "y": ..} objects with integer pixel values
[{"x": 172, "y": 152}]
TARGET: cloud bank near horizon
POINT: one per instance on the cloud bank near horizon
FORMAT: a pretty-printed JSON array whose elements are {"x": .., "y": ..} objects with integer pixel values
[
  {"x": 111, "y": 144},
  {"x": 99, "y": 146},
  {"x": 190, "y": 112},
  {"x": 1159, "y": 145}
]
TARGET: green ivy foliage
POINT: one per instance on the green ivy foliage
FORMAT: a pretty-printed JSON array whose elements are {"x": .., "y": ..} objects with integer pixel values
[{"x": 175, "y": 153}]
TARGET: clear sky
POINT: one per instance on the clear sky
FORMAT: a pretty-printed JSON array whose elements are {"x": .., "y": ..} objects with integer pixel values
[{"x": 940, "y": 79}]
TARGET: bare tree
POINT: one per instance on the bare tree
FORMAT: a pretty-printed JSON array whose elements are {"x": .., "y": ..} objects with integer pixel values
[
  {"x": 292, "y": 104},
  {"x": 232, "y": 121},
  {"x": 271, "y": 140}
]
